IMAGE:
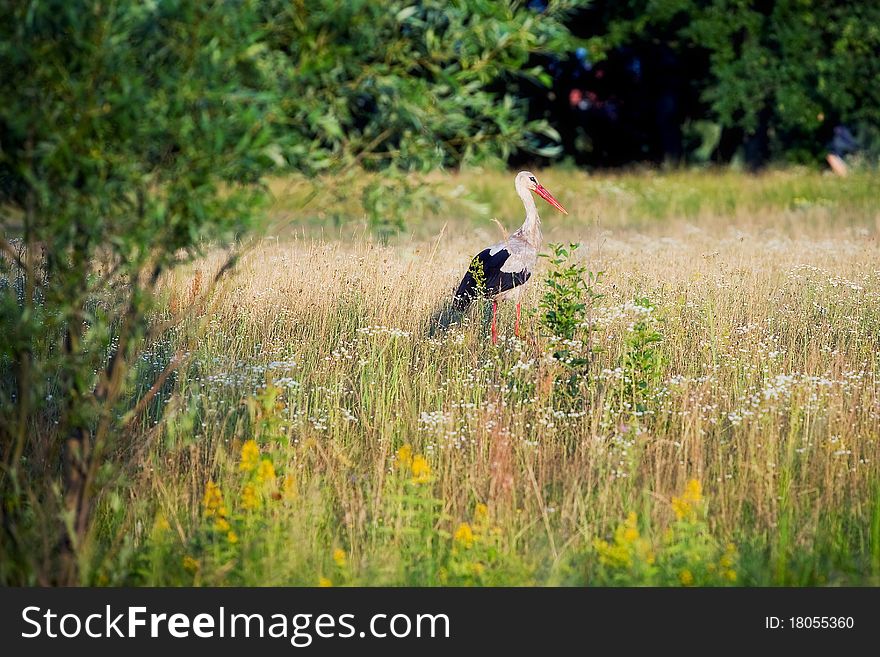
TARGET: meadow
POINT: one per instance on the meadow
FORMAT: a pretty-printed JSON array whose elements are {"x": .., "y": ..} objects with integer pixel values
[{"x": 711, "y": 418}]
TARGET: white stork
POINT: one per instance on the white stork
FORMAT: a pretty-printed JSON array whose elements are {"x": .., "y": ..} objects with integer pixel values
[{"x": 501, "y": 271}]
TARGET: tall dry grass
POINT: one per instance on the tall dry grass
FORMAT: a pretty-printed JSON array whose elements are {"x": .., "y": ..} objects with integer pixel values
[{"x": 766, "y": 292}]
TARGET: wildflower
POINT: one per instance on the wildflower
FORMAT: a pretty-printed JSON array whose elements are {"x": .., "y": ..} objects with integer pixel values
[
  {"x": 339, "y": 557},
  {"x": 213, "y": 501},
  {"x": 616, "y": 556},
  {"x": 464, "y": 535},
  {"x": 686, "y": 577},
  {"x": 288, "y": 488},
  {"x": 481, "y": 513},
  {"x": 727, "y": 562},
  {"x": 250, "y": 500},
  {"x": 729, "y": 557},
  {"x": 232, "y": 537},
  {"x": 250, "y": 454},
  {"x": 685, "y": 507},
  {"x": 694, "y": 490},
  {"x": 421, "y": 471},
  {"x": 384, "y": 330},
  {"x": 324, "y": 583},
  {"x": 266, "y": 472},
  {"x": 160, "y": 524},
  {"x": 190, "y": 564},
  {"x": 405, "y": 456},
  {"x": 221, "y": 525},
  {"x": 630, "y": 529},
  {"x": 628, "y": 546}
]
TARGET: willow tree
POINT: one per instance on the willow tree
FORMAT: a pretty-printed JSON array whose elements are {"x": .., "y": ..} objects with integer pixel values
[{"x": 130, "y": 133}]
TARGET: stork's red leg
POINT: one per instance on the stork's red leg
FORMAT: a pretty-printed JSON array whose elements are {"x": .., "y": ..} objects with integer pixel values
[
  {"x": 516, "y": 326},
  {"x": 494, "y": 329}
]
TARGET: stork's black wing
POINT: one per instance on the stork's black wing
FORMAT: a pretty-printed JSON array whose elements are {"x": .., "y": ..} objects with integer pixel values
[{"x": 484, "y": 277}]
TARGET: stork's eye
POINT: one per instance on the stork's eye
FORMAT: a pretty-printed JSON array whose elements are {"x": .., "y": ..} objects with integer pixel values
[{"x": 532, "y": 178}]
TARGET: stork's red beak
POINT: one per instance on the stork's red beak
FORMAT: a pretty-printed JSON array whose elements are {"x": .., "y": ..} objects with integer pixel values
[{"x": 547, "y": 196}]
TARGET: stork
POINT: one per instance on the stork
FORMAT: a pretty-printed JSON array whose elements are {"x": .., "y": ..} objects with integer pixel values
[{"x": 501, "y": 271}]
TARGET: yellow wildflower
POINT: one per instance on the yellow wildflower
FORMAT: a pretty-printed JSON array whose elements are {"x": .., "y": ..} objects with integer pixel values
[
  {"x": 288, "y": 488},
  {"x": 628, "y": 546},
  {"x": 405, "y": 456},
  {"x": 682, "y": 509},
  {"x": 339, "y": 557},
  {"x": 685, "y": 507},
  {"x": 221, "y": 525},
  {"x": 190, "y": 564},
  {"x": 729, "y": 557},
  {"x": 421, "y": 470},
  {"x": 213, "y": 501},
  {"x": 160, "y": 524},
  {"x": 232, "y": 537},
  {"x": 250, "y": 500},
  {"x": 694, "y": 491},
  {"x": 728, "y": 561},
  {"x": 481, "y": 513},
  {"x": 324, "y": 583},
  {"x": 464, "y": 535},
  {"x": 250, "y": 454},
  {"x": 616, "y": 556},
  {"x": 686, "y": 577},
  {"x": 266, "y": 472},
  {"x": 630, "y": 531}
]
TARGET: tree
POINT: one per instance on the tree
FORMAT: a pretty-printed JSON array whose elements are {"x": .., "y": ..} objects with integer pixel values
[
  {"x": 130, "y": 134},
  {"x": 780, "y": 75},
  {"x": 407, "y": 85}
]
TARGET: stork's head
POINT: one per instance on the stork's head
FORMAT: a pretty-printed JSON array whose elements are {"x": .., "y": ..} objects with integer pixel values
[{"x": 526, "y": 180}]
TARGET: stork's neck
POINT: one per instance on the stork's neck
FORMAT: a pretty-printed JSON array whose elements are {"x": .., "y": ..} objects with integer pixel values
[{"x": 531, "y": 228}]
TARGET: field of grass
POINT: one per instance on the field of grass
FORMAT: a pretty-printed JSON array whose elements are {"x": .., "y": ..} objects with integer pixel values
[{"x": 715, "y": 420}]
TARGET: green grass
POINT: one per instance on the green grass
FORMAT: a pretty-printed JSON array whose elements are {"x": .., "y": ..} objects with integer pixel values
[
  {"x": 739, "y": 448},
  {"x": 331, "y": 208}
]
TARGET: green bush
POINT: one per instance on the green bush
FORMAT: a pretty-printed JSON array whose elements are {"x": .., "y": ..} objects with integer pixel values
[{"x": 565, "y": 307}]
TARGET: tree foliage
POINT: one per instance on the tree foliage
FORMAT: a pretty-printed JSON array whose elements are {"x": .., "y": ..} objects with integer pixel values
[
  {"x": 791, "y": 69},
  {"x": 129, "y": 134},
  {"x": 408, "y": 85}
]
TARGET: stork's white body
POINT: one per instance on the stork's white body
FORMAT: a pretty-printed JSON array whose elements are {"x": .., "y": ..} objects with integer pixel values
[
  {"x": 506, "y": 267},
  {"x": 523, "y": 244}
]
